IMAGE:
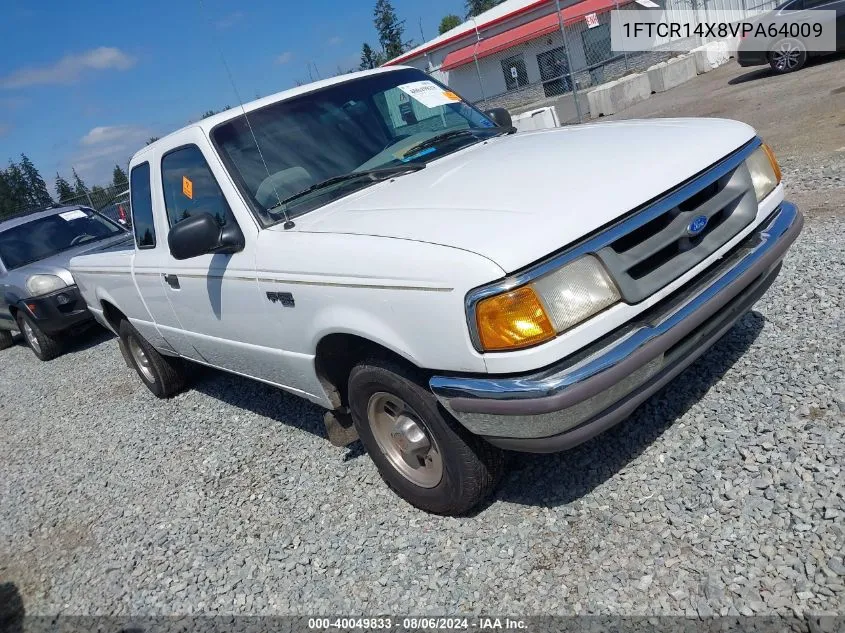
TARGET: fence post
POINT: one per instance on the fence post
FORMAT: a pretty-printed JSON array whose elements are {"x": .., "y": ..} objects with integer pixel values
[
  {"x": 88, "y": 195},
  {"x": 475, "y": 57},
  {"x": 624, "y": 50},
  {"x": 569, "y": 62}
]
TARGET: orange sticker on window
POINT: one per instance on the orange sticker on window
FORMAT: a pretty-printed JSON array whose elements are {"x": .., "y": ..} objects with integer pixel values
[
  {"x": 187, "y": 188},
  {"x": 451, "y": 96}
]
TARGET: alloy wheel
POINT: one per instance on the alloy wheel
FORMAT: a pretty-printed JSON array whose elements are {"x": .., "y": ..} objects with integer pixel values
[
  {"x": 31, "y": 337},
  {"x": 141, "y": 360},
  {"x": 404, "y": 439}
]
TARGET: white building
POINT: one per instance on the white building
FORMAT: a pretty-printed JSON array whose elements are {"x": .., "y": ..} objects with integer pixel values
[{"x": 518, "y": 47}]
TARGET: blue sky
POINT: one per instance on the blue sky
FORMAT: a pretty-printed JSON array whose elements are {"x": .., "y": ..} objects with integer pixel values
[{"x": 86, "y": 83}]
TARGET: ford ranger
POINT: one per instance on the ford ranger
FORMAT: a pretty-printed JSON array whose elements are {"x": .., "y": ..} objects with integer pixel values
[{"x": 446, "y": 288}]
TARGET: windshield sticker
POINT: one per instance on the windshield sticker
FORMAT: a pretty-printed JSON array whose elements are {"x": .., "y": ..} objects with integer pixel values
[
  {"x": 187, "y": 188},
  {"x": 486, "y": 123},
  {"x": 424, "y": 152},
  {"x": 429, "y": 94},
  {"x": 67, "y": 216}
]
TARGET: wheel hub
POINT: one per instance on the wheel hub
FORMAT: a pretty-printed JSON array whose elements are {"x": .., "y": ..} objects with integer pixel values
[
  {"x": 786, "y": 57},
  {"x": 411, "y": 441},
  {"x": 30, "y": 337},
  {"x": 141, "y": 360},
  {"x": 404, "y": 440}
]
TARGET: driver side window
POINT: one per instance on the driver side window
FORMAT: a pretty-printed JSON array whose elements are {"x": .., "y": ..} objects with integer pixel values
[{"x": 190, "y": 187}]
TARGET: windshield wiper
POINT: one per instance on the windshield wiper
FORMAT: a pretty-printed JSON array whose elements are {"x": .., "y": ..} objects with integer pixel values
[
  {"x": 435, "y": 140},
  {"x": 372, "y": 174}
]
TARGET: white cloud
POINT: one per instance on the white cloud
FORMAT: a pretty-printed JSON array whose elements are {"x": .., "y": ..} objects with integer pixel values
[
  {"x": 110, "y": 134},
  {"x": 284, "y": 58},
  {"x": 104, "y": 147},
  {"x": 228, "y": 21},
  {"x": 69, "y": 68}
]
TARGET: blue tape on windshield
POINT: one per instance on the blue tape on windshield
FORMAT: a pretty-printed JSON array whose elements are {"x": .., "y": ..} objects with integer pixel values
[{"x": 424, "y": 152}]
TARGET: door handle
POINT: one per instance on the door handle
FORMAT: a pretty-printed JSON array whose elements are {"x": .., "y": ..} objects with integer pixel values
[{"x": 171, "y": 280}]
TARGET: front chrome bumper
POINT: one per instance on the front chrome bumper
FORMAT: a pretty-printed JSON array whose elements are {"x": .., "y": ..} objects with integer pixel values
[{"x": 561, "y": 406}]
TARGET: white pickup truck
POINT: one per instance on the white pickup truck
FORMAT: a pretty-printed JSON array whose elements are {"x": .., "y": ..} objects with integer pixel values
[{"x": 445, "y": 287}]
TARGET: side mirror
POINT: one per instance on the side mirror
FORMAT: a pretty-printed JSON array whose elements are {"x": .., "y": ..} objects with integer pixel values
[
  {"x": 500, "y": 117},
  {"x": 201, "y": 235}
]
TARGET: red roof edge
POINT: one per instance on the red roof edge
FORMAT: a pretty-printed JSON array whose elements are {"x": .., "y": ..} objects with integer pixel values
[{"x": 406, "y": 56}]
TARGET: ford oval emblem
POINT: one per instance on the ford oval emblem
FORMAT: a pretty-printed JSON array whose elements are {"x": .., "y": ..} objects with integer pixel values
[{"x": 698, "y": 224}]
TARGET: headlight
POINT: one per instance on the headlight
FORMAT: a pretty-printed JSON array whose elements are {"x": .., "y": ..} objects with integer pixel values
[
  {"x": 42, "y": 284},
  {"x": 765, "y": 171},
  {"x": 541, "y": 310}
]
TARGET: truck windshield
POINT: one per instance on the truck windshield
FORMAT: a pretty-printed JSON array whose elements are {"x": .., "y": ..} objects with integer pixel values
[
  {"x": 48, "y": 236},
  {"x": 383, "y": 120}
]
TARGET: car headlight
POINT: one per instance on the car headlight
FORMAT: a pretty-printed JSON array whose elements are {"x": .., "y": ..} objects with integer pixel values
[
  {"x": 539, "y": 311},
  {"x": 42, "y": 284},
  {"x": 765, "y": 171}
]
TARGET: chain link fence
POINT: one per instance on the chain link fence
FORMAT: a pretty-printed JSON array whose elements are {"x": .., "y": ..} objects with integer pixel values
[
  {"x": 547, "y": 59},
  {"x": 112, "y": 201}
]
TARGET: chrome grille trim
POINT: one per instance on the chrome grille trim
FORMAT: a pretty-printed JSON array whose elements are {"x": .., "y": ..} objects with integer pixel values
[
  {"x": 643, "y": 264},
  {"x": 607, "y": 236}
]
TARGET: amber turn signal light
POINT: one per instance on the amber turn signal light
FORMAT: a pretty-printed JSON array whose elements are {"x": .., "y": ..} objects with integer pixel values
[
  {"x": 513, "y": 320},
  {"x": 774, "y": 161}
]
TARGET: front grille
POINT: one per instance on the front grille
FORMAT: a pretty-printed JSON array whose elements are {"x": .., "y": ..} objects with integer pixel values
[{"x": 656, "y": 253}]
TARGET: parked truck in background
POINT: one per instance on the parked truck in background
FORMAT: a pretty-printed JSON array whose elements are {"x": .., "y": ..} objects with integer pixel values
[{"x": 445, "y": 286}]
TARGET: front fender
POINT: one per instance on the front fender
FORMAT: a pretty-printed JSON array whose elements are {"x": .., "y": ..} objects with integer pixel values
[
  {"x": 425, "y": 328},
  {"x": 357, "y": 322}
]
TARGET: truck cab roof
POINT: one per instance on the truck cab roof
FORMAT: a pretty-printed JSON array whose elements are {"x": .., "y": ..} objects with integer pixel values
[{"x": 209, "y": 123}]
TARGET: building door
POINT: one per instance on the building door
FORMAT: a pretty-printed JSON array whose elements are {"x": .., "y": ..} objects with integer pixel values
[
  {"x": 516, "y": 74},
  {"x": 554, "y": 72}
]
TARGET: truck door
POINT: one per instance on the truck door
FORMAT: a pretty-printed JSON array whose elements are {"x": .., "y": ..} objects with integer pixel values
[
  {"x": 165, "y": 331},
  {"x": 216, "y": 298}
]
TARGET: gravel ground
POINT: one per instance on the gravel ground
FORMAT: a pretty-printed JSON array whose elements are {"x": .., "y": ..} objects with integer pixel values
[{"x": 723, "y": 494}]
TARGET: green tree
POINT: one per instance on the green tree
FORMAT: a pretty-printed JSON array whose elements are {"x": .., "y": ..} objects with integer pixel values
[
  {"x": 390, "y": 29},
  {"x": 449, "y": 22},
  {"x": 152, "y": 140},
  {"x": 18, "y": 198},
  {"x": 5, "y": 196},
  {"x": 79, "y": 187},
  {"x": 99, "y": 196},
  {"x": 209, "y": 113},
  {"x": 118, "y": 178},
  {"x": 369, "y": 58},
  {"x": 22, "y": 188},
  {"x": 37, "y": 194},
  {"x": 64, "y": 192},
  {"x": 476, "y": 7}
]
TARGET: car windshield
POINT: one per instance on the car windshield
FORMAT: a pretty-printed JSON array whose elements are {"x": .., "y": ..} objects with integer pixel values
[
  {"x": 48, "y": 236},
  {"x": 383, "y": 120}
]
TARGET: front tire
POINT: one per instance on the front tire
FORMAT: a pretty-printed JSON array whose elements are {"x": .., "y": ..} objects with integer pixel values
[
  {"x": 422, "y": 454},
  {"x": 164, "y": 376},
  {"x": 6, "y": 339},
  {"x": 44, "y": 346},
  {"x": 787, "y": 56}
]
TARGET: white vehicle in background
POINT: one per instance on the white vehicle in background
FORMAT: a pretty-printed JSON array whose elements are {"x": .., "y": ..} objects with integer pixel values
[{"x": 444, "y": 287}]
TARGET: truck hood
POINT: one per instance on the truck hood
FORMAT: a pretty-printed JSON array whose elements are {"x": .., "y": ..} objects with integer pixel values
[
  {"x": 516, "y": 199},
  {"x": 59, "y": 264}
]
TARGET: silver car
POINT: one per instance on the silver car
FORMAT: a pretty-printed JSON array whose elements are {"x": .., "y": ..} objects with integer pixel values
[{"x": 38, "y": 295}]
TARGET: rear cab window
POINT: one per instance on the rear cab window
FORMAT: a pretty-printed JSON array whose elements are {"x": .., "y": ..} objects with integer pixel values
[{"x": 141, "y": 206}]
